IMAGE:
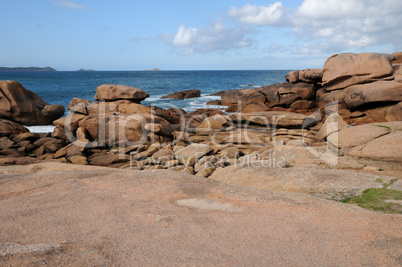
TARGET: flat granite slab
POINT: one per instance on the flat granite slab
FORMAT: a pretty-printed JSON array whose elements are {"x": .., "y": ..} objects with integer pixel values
[{"x": 59, "y": 214}]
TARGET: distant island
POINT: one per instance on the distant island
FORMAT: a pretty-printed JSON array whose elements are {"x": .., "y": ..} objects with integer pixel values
[
  {"x": 27, "y": 69},
  {"x": 85, "y": 70}
]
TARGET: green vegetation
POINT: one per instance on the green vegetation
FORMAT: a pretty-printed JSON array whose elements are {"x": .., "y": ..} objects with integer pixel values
[
  {"x": 376, "y": 198},
  {"x": 383, "y": 126}
]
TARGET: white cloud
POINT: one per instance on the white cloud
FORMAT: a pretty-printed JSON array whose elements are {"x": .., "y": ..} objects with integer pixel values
[
  {"x": 185, "y": 36},
  {"x": 215, "y": 37},
  {"x": 68, "y": 4},
  {"x": 258, "y": 15},
  {"x": 329, "y": 9},
  {"x": 331, "y": 26},
  {"x": 315, "y": 27},
  {"x": 348, "y": 24}
]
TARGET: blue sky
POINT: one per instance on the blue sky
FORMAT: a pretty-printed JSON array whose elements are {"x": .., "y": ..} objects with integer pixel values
[{"x": 194, "y": 35}]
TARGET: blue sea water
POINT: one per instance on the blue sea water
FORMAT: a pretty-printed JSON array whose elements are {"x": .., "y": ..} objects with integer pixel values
[{"x": 61, "y": 86}]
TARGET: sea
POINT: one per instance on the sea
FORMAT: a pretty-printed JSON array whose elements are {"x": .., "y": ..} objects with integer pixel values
[{"x": 60, "y": 87}]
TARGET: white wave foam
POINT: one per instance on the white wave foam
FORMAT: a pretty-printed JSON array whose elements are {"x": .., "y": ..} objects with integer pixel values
[
  {"x": 211, "y": 97},
  {"x": 153, "y": 98},
  {"x": 41, "y": 128},
  {"x": 202, "y": 105},
  {"x": 249, "y": 86}
]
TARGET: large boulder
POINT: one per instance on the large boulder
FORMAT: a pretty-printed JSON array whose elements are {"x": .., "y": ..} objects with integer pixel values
[
  {"x": 356, "y": 136},
  {"x": 343, "y": 70},
  {"x": 79, "y": 105},
  {"x": 384, "y": 148},
  {"x": 242, "y": 96},
  {"x": 311, "y": 75},
  {"x": 172, "y": 115},
  {"x": 133, "y": 128},
  {"x": 23, "y": 106},
  {"x": 292, "y": 77},
  {"x": 209, "y": 125},
  {"x": 184, "y": 94},
  {"x": 254, "y": 107},
  {"x": 266, "y": 97},
  {"x": 8, "y": 128},
  {"x": 376, "y": 141},
  {"x": 332, "y": 98},
  {"x": 285, "y": 94},
  {"x": 112, "y": 92},
  {"x": 281, "y": 119},
  {"x": 376, "y": 92},
  {"x": 307, "y": 75},
  {"x": 192, "y": 152},
  {"x": 134, "y": 109}
]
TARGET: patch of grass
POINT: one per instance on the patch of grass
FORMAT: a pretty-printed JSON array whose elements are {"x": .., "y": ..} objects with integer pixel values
[
  {"x": 383, "y": 126},
  {"x": 379, "y": 180},
  {"x": 374, "y": 199},
  {"x": 386, "y": 185}
]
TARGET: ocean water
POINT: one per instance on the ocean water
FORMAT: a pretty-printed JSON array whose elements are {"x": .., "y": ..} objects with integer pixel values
[{"x": 61, "y": 86}]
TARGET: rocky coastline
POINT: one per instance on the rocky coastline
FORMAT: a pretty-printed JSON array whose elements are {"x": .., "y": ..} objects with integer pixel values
[
  {"x": 330, "y": 133},
  {"x": 352, "y": 107}
]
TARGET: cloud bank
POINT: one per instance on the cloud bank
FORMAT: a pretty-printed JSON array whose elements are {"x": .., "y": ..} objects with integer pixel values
[
  {"x": 214, "y": 37},
  {"x": 324, "y": 26},
  {"x": 316, "y": 27},
  {"x": 259, "y": 15}
]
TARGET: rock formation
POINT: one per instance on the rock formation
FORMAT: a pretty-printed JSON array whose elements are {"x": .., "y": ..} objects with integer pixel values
[
  {"x": 71, "y": 215},
  {"x": 293, "y": 123},
  {"x": 23, "y": 106},
  {"x": 362, "y": 88},
  {"x": 333, "y": 135},
  {"x": 183, "y": 94},
  {"x": 301, "y": 95},
  {"x": 8, "y": 128},
  {"x": 113, "y": 92}
]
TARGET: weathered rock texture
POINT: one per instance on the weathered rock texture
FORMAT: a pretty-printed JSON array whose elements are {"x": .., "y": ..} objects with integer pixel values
[
  {"x": 112, "y": 92},
  {"x": 8, "y": 128},
  {"x": 184, "y": 94},
  {"x": 312, "y": 180},
  {"x": 23, "y": 106},
  {"x": 362, "y": 88},
  {"x": 288, "y": 119},
  {"x": 79, "y": 215},
  {"x": 371, "y": 93},
  {"x": 277, "y": 95},
  {"x": 343, "y": 70},
  {"x": 377, "y": 141}
]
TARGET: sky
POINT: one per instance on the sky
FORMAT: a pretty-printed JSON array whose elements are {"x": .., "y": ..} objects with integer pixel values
[{"x": 193, "y": 35}]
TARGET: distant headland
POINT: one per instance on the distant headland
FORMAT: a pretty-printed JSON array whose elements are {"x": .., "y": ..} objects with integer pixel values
[
  {"x": 85, "y": 70},
  {"x": 27, "y": 69}
]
